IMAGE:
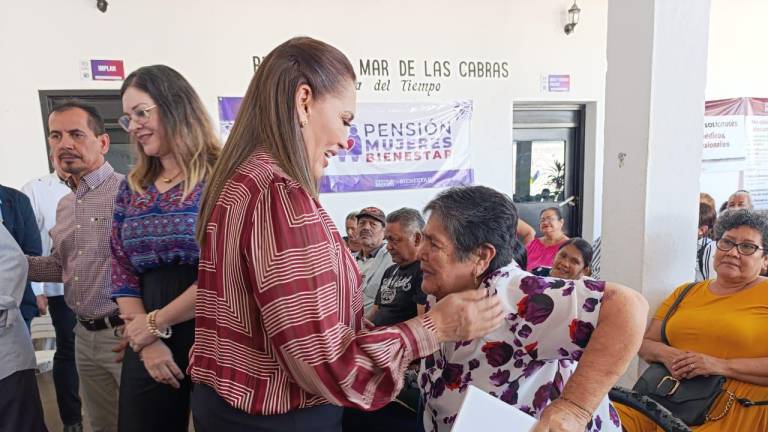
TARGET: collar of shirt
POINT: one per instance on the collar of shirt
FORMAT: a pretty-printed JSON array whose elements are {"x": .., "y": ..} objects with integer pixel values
[
  {"x": 374, "y": 252},
  {"x": 263, "y": 156},
  {"x": 490, "y": 278},
  {"x": 91, "y": 180},
  {"x": 414, "y": 265},
  {"x": 50, "y": 180},
  {"x": 54, "y": 178}
]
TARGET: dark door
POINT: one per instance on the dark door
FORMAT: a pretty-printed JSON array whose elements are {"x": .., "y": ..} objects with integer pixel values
[
  {"x": 549, "y": 163},
  {"x": 110, "y": 107}
]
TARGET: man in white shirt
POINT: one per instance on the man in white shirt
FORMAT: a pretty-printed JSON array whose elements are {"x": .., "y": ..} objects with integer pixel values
[{"x": 44, "y": 194}]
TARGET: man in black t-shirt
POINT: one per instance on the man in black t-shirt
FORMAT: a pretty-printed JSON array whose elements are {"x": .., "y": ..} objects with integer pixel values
[{"x": 400, "y": 297}]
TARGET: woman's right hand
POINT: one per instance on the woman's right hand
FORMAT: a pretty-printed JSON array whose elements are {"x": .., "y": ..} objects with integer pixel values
[
  {"x": 561, "y": 416},
  {"x": 669, "y": 357},
  {"x": 137, "y": 331},
  {"x": 158, "y": 360},
  {"x": 466, "y": 315}
]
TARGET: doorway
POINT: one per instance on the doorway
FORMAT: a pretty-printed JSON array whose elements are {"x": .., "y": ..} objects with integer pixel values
[{"x": 548, "y": 150}]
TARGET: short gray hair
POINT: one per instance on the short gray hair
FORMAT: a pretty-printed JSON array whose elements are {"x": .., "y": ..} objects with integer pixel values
[
  {"x": 742, "y": 192},
  {"x": 408, "y": 218},
  {"x": 475, "y": 215},
  {"x": 352, "y": 215},
  {"x": 732, "y": 219}
]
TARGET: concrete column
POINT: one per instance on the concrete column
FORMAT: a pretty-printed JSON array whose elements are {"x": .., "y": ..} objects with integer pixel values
[{"x": 657, "y": 62}]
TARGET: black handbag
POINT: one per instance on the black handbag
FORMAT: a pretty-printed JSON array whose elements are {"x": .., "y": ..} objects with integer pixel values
[{"x": 688, "y": 399}]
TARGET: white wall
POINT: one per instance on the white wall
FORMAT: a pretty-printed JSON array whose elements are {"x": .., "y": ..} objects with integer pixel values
[
  {"x": 736, "y": 67},
  {"x": 211, "y": 43},
  {"x": 736, "y": 63}
]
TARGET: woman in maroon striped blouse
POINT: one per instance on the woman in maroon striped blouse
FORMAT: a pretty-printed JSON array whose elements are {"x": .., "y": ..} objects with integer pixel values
[{"x": 279, "y": 340}]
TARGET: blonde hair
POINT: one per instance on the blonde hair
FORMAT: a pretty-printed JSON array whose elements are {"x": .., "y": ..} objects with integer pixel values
[
  {"x": 187, "y": 129},
  {"x": 267, "y": 119}
]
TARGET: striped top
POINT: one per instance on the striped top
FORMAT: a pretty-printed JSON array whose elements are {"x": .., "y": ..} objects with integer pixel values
[
  {"x": 151, "y": 230},
  {"x": 705, "y": 259},
  {"x": 279, "y": 305}
]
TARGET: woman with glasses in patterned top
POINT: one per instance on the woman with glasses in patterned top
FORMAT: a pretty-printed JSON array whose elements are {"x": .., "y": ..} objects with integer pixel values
[
  {"x": 719, "y": 328},
  {"x": 154, "y": 251}
]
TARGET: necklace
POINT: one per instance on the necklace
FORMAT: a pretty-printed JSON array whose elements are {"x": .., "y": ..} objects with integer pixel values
[{"x": 169, "y": 179}]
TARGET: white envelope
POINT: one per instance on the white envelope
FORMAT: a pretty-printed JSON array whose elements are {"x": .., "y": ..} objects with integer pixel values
[{"x": 483, "y": 412}]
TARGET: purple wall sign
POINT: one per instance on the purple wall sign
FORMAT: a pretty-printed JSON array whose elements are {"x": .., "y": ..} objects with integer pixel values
[
  {"x": 107, "y": 70},
  {"x": 559, "y": 83}
]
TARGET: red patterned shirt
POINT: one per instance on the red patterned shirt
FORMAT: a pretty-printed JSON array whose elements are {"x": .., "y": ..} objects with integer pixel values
[{"x": 279, "y": 305}]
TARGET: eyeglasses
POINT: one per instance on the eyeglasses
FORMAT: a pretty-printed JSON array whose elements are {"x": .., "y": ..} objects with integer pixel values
[
  {"x": 140, "y": 116},
  {"x": 726, "y": 245},
  {"x": 549, "y": 219}
]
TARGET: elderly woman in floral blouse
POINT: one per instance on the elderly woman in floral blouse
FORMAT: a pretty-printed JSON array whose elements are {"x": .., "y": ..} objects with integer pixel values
[{"x": 556, "y": 357}]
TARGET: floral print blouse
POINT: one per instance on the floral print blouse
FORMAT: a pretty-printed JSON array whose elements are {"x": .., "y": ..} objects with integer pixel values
[{"x": 525, "y": 362}]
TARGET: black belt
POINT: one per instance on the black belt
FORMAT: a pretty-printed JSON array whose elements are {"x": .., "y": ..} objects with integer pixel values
[{"x": 96, "y": 324}]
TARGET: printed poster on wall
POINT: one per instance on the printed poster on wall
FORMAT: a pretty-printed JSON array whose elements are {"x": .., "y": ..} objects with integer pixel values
[
  {"x": 756, "y": 173},
  {"x": 736, "y": 139},
  {"x": 724, "y": 130},
  {"x": 395, "y": 146}
]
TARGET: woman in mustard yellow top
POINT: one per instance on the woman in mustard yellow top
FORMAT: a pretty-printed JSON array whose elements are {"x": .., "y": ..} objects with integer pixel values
[{"x": 720, "y": 328}]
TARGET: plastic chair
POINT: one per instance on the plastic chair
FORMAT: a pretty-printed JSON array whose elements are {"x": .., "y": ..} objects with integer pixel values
[{"x": 44, "y": 341}]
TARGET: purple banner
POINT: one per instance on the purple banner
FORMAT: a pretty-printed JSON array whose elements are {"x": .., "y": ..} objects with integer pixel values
[
  {"x": 411, "y": 180},
  {"x": 228, "y": 107},
  {"x": 394, "y": 146}
]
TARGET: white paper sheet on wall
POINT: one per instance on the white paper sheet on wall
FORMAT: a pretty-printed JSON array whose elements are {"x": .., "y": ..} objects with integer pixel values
[{"x": 481, "y": 411}]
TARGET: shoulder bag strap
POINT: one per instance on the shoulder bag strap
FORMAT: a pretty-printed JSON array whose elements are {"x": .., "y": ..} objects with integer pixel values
[
  {"x": 748, "y": 403},
  {"x": 672, "y": 310}
]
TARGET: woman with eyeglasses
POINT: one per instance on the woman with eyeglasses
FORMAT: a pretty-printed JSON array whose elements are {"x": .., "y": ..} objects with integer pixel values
[
  {"x": 542, "y": 250},
  {"x": 154, "y": 251},
  {"x": 719, "y": 328}
]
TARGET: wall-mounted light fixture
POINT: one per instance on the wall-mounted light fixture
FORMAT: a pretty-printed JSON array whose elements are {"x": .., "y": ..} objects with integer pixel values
[{"x": 573, "y": 18}]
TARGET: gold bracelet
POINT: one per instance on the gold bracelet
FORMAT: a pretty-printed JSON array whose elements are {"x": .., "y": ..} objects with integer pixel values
[
  {"x": 152, "y": 326},
  {"x": 579, "y": 407}
]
